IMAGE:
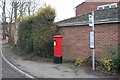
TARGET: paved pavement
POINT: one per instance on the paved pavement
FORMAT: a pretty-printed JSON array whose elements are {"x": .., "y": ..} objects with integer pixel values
[
  {"x": 42, "y": 69},
  {"x": 48, "y": 70}
]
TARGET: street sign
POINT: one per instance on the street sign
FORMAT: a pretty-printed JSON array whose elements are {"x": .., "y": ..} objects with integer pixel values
[
  {"x": 91, "y": 22},
  {"x": 92, "y": 39}
]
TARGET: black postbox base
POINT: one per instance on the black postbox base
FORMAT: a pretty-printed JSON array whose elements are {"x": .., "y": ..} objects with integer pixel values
[{"x": 57, "y": 60}]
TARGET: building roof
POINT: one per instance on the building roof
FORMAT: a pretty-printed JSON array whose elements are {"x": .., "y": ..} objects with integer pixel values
[
  {"x": 101, "y": 16},
  {"x": 80, "y": 4}
]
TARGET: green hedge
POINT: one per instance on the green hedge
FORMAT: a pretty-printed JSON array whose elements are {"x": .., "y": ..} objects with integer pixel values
[{"x": 35, "y": 32}]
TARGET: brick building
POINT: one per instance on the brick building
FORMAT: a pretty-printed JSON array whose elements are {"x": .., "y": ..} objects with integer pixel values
[
  {"x": 91, "y": 5},
  {"x": 75, "y": 32}
]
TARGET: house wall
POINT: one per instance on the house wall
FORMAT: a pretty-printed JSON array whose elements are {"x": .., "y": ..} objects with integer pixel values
[
  {"x": 87, "y": 7},
  {"x": 76, "y": 40}
]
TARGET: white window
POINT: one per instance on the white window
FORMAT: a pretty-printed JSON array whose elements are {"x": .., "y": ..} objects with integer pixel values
[
  {"x": 114, "y": 5},
  {"x": 100, "y": 8},
  {"x": 107, "y": 6}
]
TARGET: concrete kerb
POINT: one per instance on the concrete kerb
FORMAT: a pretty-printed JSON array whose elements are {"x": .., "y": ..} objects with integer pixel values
[{"x": 26, "y": 75}]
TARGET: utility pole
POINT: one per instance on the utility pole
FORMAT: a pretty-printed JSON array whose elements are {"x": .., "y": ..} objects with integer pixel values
[{"x": 93, "y": 51}]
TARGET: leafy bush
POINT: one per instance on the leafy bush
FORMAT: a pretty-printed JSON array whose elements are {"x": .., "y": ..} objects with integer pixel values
[
  {"x": 108, "y": 63},
  {"x": 24, "y": 34},
  {"x": 35, "y": 32},
  {"x": 42, "y": 40},
  {"x": 114, "y": 51},
  {"x": 114, "y": 61},
  {"x": 78, "y": 61}
]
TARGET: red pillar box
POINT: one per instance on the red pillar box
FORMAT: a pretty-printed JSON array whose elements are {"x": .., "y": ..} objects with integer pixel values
[{"x": 57, "y": 48}]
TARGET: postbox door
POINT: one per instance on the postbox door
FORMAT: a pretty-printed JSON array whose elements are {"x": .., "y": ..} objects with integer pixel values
[{"x": 57, "y": 46}]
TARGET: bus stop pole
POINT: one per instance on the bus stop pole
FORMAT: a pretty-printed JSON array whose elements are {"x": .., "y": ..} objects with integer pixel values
[{"x": 93, "y": 51}]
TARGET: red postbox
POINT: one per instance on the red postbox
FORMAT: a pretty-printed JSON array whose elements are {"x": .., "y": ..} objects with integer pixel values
[{"x": 57, "y": 48}]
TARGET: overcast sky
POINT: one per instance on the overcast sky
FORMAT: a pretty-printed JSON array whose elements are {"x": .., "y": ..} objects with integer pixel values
[{"x": 64, "y": 8}]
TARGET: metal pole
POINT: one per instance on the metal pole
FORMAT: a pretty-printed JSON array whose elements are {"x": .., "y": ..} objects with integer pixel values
[
  {"x": 93, "y": 54},
  {"x": 93, "y": 60}
]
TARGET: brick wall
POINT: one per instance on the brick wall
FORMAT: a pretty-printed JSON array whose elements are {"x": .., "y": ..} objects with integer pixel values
[
  {"x": 76, "y": 40},
  {"x": 87, "y": 7}
]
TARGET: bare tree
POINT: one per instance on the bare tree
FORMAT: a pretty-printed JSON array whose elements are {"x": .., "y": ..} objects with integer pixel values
[
  {"x": 29, "y": 4},
  {"x": 32, "y": 5},
  {"x": 11, "y": 15},
  {"x": 11, "y": 20},
  {"x": 5, "y": 12},
  {"x": 4, "y": 18},
  {"x": 17, "y": 9}
]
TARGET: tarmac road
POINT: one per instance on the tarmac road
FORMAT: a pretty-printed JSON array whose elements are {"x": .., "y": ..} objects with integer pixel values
[{"x": 7, "y": 72}]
